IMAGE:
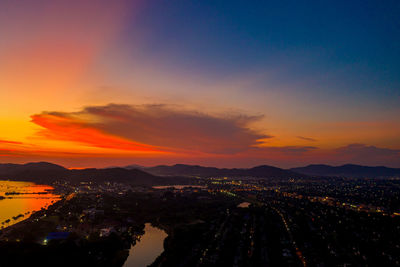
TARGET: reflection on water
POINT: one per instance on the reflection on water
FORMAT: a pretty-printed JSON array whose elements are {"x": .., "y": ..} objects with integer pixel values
[
  {"x": 179, "y": 187},
  {"x": 23, "y": 200},
  {"x": 148, "y": 248},
  {"x": 244, "y": 205}
]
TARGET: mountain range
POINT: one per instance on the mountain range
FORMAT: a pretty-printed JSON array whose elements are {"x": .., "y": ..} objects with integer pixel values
[
  {"x": 44, "y": 172},
  {"x": 265, "y": 171}
]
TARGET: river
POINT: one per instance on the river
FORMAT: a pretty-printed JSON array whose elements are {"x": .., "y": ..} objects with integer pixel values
[
  {"x": 179, "y": 187},
  {"x": 23, "y": 198},
  {"x": 150, "y": 246}
]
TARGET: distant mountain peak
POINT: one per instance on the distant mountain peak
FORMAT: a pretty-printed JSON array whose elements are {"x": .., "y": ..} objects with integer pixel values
[
  {"x": 262, "y": 171},
  {"x": 43, "y": 164}
]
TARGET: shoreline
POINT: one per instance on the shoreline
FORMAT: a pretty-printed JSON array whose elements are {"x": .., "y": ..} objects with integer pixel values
[{"x": 22, "y": 217}]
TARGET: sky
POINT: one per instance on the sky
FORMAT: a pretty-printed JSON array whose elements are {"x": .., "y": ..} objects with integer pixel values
[{"x": 219, "y": 83}]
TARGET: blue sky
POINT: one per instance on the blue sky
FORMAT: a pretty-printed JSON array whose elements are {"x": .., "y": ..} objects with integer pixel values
[{"x": 324, "y": 70}]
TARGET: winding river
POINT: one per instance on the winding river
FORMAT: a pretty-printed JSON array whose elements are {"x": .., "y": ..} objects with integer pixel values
[{"x": 150, "y": 246}]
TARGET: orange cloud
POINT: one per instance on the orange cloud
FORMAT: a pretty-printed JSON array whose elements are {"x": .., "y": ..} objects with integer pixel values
[
  {"x": 180, "y": 130},
  {"x": 10, "y": 142},
  {"x": 162, "y": 134},
  {"x": 70, "y": 129}
]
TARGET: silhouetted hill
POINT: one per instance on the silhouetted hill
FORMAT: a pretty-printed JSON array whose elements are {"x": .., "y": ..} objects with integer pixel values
[
  {"x": 263, "y": 171},
  {"x": 348, "y": 170},
  {"x": 10, "y": 167},
  {"x": 43, "y": 172},
  {"x": 134, "y": 166}
]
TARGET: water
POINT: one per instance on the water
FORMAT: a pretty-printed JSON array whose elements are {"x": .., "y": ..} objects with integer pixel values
[
  {"x": 148, "y": 248},
  {"x": 25, "y": 203},
  {"x": 179, "y": 187},
  {"x": 244, "y": 205}
]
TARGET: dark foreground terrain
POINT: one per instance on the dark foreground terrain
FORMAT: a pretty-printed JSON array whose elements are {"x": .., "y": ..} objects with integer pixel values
[{"x": 280, "y": 222}]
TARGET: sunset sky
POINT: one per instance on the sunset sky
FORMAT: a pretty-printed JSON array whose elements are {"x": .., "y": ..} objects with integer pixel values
[{"x": 220, "y": 83}]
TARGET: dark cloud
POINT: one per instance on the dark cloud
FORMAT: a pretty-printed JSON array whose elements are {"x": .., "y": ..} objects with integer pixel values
[
  {"x": 363, "y": 150},
  {"x": 288, "y": 149},
  {"x": 367, "y": 154},
  {"x": 163, "y": 126},
  {"x": 306, "y": 138}
]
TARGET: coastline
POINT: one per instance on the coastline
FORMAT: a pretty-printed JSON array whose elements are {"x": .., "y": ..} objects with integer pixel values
[{"x": 30, "y": 196}]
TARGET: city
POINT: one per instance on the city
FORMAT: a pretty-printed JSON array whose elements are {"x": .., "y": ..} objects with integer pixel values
[{"x": 217, "y": 221}]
